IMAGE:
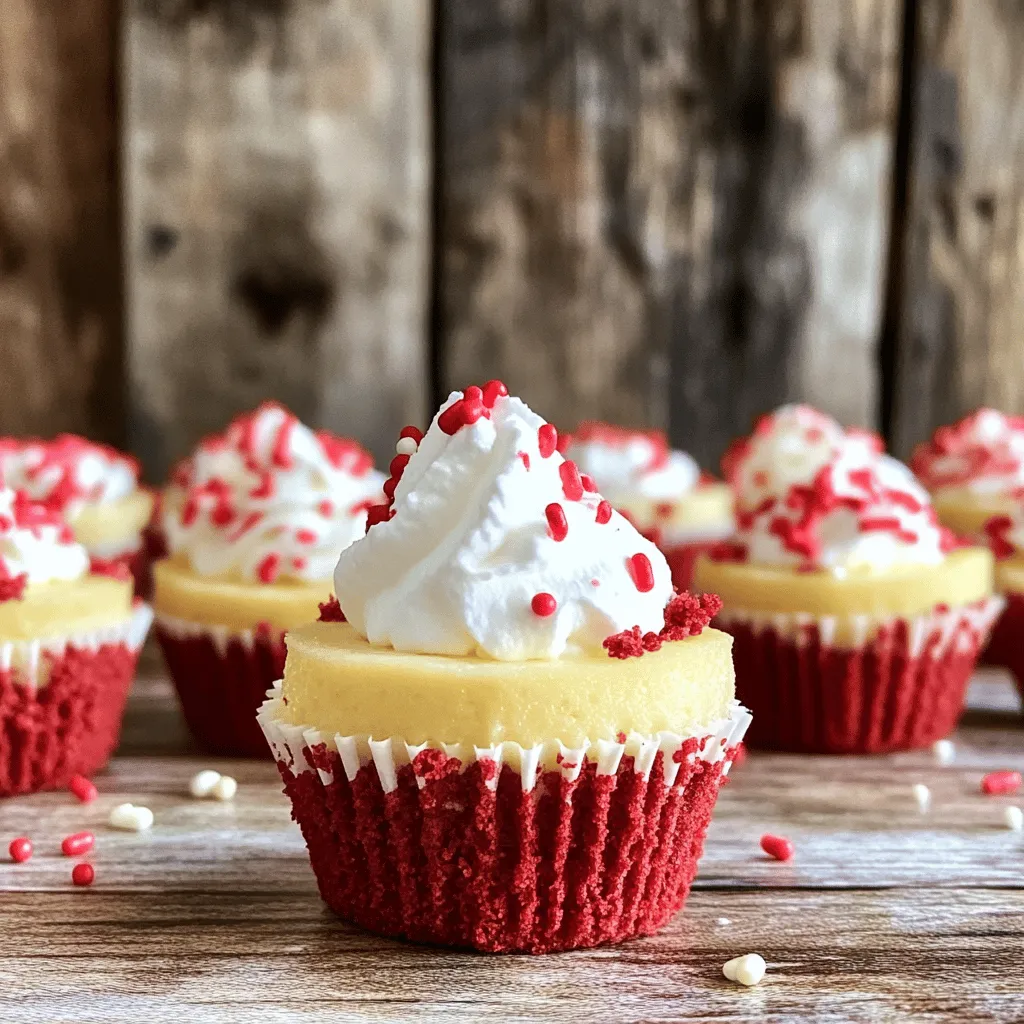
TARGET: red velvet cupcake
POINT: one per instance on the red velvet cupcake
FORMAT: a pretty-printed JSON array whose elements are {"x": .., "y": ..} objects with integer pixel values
[
  {"x": 1006, "y": 648},
  {"x": 94, "y": 488},
  {"x": 516, "y": 741},
  {"x": 253, "y": 522},
  {"x": 857, "y": 618},
  {"x": 662, "y": 491},
  {"x": 69, "y": 641}
]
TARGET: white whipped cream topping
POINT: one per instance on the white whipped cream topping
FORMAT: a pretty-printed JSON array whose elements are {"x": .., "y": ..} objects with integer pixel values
[
  {"x": 631, "y": 464},
  {"x": 456, "y": 569},
  {"x": 269, "y": 498},
  {"x": 35, "y": 541},
  {"x": 810, "y": 494},
  {"x": 68, "y": 472},
  {"x": 982, "y": 455}
]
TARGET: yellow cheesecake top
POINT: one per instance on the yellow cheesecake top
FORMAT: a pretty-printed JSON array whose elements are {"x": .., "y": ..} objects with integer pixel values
[
  {"x": 335, "y": 681},
  {"x": 182, "y": 593},
  {"x": 113, "y": 524},
  {"x": 1010, "y": 575},
  {"x": 66, "y": 607}
]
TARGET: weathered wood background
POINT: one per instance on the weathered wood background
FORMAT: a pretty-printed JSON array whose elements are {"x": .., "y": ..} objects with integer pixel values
[{"x": 674, "y": 213}]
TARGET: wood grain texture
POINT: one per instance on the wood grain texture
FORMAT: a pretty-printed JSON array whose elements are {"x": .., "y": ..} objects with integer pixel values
[
  {"x": 959, "y": 344},
  {"x": 277, "y": 181},
  {"x": 884, "y": 914},
  {"x": 61, "y": 351},
  {"x": 667, "y": 213}
]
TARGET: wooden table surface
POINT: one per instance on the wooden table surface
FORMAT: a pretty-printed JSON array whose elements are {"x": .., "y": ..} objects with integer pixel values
[{"x": 885, "y": 914}]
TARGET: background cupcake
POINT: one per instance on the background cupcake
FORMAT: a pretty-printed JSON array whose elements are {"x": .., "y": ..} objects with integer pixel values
[
  {"x": 68, "y": 647},
  {"x": 857, "y": 619},
  {"x": 254, "y": 521},
  {"x": 662, "y": 490},
  {"x": 517, "y": 742},
  {"x": 1006, "y": 536},
  {"x": 93, "y": 487}
]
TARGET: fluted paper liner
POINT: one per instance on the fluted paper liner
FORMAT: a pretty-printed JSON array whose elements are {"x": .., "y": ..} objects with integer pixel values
[
  {"x": 61, "y": 702},
  {"x": 857, "y": 684},
  {"x": 222, "y": 676},
  {"x": 504, "y": 848}
]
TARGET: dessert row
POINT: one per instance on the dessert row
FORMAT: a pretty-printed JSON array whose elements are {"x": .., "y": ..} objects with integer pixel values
[{"x": 500, "y": 713}]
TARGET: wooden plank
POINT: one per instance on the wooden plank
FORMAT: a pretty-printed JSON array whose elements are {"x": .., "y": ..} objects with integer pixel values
[
  {"x": 667, "y": 213},
  {"x": 61, "y": 353},
  {"x": 959, "y": 344},
  {"x": 277, "y": 178},
  {"x": 883, "y": 914}
]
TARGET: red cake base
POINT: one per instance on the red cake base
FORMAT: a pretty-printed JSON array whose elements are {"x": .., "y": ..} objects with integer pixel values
[
  {"x": 221, "y": 686},
  {"x": 1006, "y": 648},
  {"x": 68, "y": 726},
  {"x": 571, "y": 864},
  {"x": 809, "y": 696}
]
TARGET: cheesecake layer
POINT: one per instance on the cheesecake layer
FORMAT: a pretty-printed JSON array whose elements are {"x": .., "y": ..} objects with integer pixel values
[
  {"x": 966, "y": 514},
  {"x": 336, "y": 682},
  {"x": 964, "y": 576},
  {"x": 65, "y": 608},
  {"x": 1010, "y": 576},
  {"x": 705, "y": 507},
  {"x": 115, "y": 522},
  {"x": 181, "y": 593}
]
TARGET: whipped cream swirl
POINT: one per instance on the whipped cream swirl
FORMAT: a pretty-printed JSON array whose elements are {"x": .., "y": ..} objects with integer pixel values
[
  {"x": 982, "y": 454},
  {"x": 68, "y": 472},
  {"x": 811, "y": 495},
  {"x": 36, "y": 545},
  {"x": 268, "y": 499},
  {"x": 631, "y": 464},
  {"x": 494, "y": 547}
]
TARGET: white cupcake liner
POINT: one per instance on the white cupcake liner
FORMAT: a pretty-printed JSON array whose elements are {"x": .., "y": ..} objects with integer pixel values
[
  {"x": 290, "y": 742},
  {"x": 859, "y": 629},
  {"x": 222, "y": 636},
  {"x": 26, "y": 658}
]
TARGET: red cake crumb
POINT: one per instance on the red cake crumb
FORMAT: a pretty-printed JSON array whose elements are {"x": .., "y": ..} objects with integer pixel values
[
  {"x": 685, "y": 615},
  {"x": 330, "y": 611}
]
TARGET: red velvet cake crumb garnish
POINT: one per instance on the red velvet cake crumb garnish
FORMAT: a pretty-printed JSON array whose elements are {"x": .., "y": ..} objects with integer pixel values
[
  {"x": 547, "y": 440},
  {"x": 544, "y": 604},
  {"x": 557, "y": 523},
  {"x": 330, "y": 611},
  {"x": 685, "y": 615},
  {"x": 112, "y": 567}
]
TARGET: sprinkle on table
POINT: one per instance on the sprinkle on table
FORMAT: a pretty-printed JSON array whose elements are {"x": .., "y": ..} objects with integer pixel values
[
  {"x": 777, "y": 847},
  {"x": 20, "y": 849}
]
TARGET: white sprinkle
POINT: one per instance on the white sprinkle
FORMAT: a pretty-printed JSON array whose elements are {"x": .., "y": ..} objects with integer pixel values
[
  {"x": 131, "y": 818},
  {"x": 923, "y": 796},
  {"x": 1014, "y": 818},
  {"x": 944, "y": 751},
  {"x": 747, "y": 970},
  {"x": 203, "y": 782},
  {"x": 406, "y": 446},
  {"x": 226, "y": 788},
  {"x": 722, "y": 921}
]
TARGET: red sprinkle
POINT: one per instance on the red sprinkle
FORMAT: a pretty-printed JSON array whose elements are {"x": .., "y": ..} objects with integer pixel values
[
  {"x": 543, "y": 604},
  {"x": 330, "y": 611},
  {"x": 268, "y": 569},
  {"x": 83, "y": 788},
  {"x": 77, "y": 844},
  {"x": 398, "y": 464},
  {"x": 463, "y": 412},
  {"x": 326, "y": 508},
  {"x": 493, "y": 390},
  {"x": 414, "y": 432},
  {"x": 525, "y": 456},
  {"x": 777, "y": 846},
  {"x": 20, "y": 849},
  {"x": 556, "y": 521},
  {"x": 1000, "y": 783},
  {"x": 588, "y": 483},
  {"x": 547, "y": 439},
  {"x": 304, "y": 536},
  {"x": 377, "y": 514},
  {"x": 83, "y": 874},
  {"x": 572, "y": 485},
  {"x": 604, "y": 510},
  {"x": 642, "y": 572}
]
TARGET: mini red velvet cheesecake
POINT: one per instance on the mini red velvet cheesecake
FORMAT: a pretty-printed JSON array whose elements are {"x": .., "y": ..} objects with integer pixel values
[
  {"x": 69, "y": 640},
  {"x": 857, "y": 618},
  {"x": 516, "y": 740},
  {"x": 253, "y": 522},
  {"x": 661, "y": 490},
  {"x": 93, "y": 487}
]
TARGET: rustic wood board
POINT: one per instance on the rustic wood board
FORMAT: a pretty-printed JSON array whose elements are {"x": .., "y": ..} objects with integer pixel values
[
  {"x": 278, "y": 199},
  {"x": 61, "y": 344},
  {"x": 213, "y": 916},
  {"x": 960, "y": 344},
  {"x": 667, "y": 214}
]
